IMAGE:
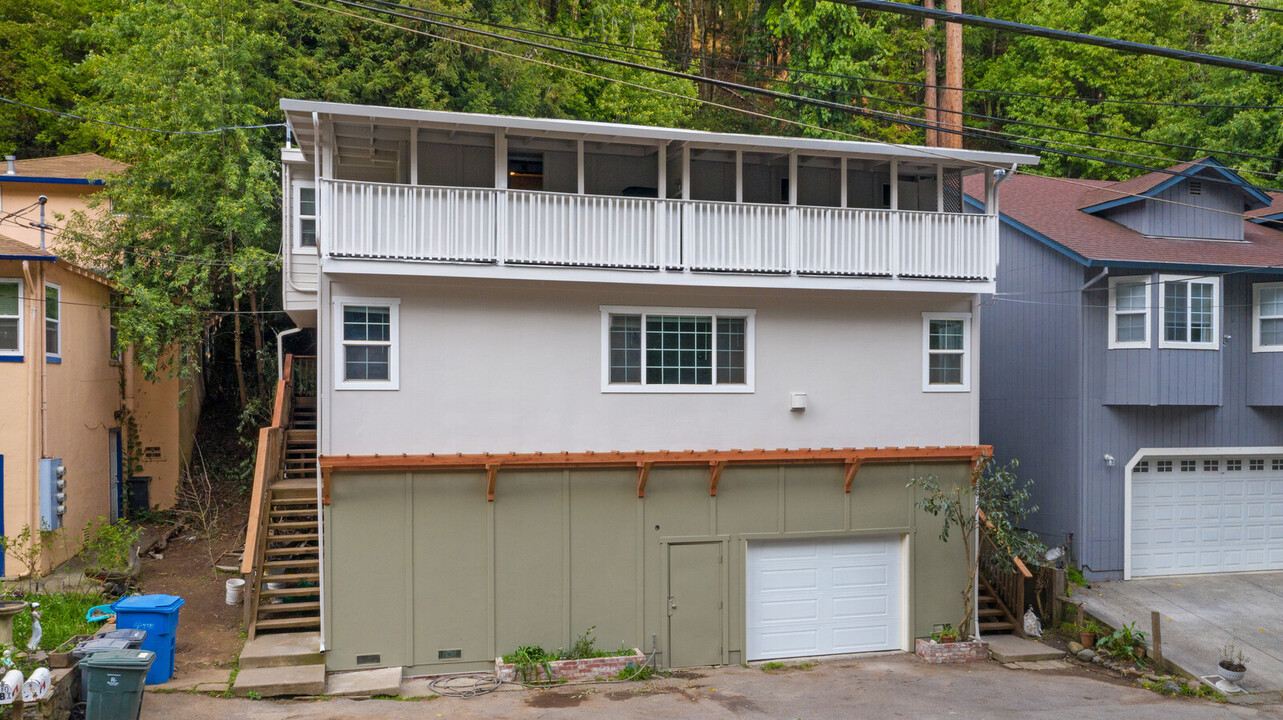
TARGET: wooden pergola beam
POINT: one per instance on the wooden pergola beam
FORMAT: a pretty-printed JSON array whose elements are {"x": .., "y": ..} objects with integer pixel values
[
  {"x": 643, "y": 474},
  {"x": 492, "y": 473},
  {"x": 852, "y": 467},
  {"x": 715, "y": 476}
]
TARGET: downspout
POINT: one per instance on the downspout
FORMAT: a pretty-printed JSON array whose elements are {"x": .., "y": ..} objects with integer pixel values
[
  {"x": 280, "y": 351},
  {"x": 35, "y": 440}
]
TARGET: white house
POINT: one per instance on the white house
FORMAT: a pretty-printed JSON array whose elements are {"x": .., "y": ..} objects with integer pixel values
[{"x": 667, "y": 383}]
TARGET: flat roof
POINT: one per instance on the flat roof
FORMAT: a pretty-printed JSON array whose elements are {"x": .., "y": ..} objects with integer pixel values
[{"x": 299, "y": 116}]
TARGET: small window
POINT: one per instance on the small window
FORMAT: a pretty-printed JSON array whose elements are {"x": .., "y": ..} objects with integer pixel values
[
  {"x": 305, "y": 215},
  {"x": 1188, "y": 466},
  {"x": 53, "y": 323},
  {"x": 367, "y": 347},
  {"x": 1256, "y": 465},
  {"x": 1164, "y": 466},
  {"x": 1276, "y": 464},
  {"x": 1233, "y": 465},
  {"x": 663, "y": 350},
  {"x": 10, "y": 320},
  {"x": 1129, "y": 312},
  {"x": 1190, "y": 308},
  {"x": 1211, "y": 466},
  {"x": 946, "y": 362},
  {"x": 1195, "y": 187},
  {"x": 525, "y": 171},
  {"x": 1142, "y": 466},
  {"x": 1267, "y": 317}
]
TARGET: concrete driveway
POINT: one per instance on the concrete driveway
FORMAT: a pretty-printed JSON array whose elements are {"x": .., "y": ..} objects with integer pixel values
[
  {"x": 1200, "y": 615},
  {"x": 885, "y": 686}
]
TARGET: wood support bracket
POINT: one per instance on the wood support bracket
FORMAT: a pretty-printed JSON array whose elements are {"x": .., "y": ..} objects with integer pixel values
[
  {"x": 643, "y": 474},
  {"x": 325, "y": 485},
  {"x": 492, "y": 470},
  {"x": 715, "y": 476},
  {"x": 852, "y": 467}
]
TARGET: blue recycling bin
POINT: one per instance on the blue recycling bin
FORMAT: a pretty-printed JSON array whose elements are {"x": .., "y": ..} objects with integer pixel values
[{"x": 158, "y": 615}]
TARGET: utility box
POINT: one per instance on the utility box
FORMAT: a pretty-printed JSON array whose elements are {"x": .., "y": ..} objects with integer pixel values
[{"x": 53, "y": 493}]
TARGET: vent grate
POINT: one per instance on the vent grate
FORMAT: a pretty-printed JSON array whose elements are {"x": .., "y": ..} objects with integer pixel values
[
  {"x": 369, "y": 659},
  {"x": 452, "y": 654}
]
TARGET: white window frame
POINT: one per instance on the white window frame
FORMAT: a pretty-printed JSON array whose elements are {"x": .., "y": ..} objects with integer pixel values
[
  {"x": 927, "y": 385},
  {"x": 1257, "y": 347},
  {"x": 394, "y": 365},
  {"x": 1144, "y": 280},
  {"x": 297, "y": 218},
  {"x": 1217, "y": 303},
  {"x": 749, "y": 317},
  {"x": 54, "y": 357},
  {"x": 15, "y": 355}
]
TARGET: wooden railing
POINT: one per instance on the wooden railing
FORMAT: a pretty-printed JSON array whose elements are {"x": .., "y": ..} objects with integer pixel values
[
  {"x": 268, "y": 465},
  {"x": 1004, "y": 574},
  {"x": 404, "y": 222}
]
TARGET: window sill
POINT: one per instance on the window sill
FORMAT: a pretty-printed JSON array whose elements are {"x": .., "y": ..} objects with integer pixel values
[
  {"x": 1188, "y": 346},
  {"x": 1267, "y": 348},
  {"x": 384, "y": 385},
  {"x": 52, "y": 360},
  {"x": 305, "y": 250},
  {"x": 1129, "y": 346},
  {"x": 679, "y": 389},
  {"x": 11, "y": 358},
  {"x": 947, "y": 388}
]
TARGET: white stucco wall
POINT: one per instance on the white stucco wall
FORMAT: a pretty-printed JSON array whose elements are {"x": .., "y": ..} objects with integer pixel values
[{"x": 516, "y": 367}]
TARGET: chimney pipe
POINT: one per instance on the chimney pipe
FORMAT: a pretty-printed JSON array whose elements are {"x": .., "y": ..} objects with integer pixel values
[{"x": 9, "y": 168}]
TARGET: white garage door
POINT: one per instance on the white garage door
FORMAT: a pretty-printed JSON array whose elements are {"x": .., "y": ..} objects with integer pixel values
[
  {"x": 824, "y": 597},
  {"x": 1206, "y": 515}
]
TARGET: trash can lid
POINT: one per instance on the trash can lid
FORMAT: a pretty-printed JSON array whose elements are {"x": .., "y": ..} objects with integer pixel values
[
  {"x": 160, "y": 603},
  {"x": 128, "y": 634},
  {"x": 97, "y": 645},
  {"x": 121, "y": 659}
]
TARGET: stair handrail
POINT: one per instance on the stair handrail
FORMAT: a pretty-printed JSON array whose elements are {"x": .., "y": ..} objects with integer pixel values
[
  {"x": 268, "y": 464},
  {"x": 1007, "y": 585}
]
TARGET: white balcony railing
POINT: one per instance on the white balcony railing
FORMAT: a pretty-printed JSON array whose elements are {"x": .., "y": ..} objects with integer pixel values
[{"x": 381, "y": 221}]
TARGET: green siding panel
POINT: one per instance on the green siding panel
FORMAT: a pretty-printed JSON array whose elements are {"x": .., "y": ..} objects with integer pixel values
[
  {"x": 530, "y": 531},
  {"x": 813, "y": 498},
  {"x": 605, "y": 556}
]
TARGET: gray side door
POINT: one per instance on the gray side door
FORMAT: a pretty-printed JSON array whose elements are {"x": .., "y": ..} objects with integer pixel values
[{"x": 695, "y": 604}]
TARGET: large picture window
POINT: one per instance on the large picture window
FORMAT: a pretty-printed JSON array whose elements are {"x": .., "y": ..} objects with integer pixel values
[
  {"x": 1190, "y": 311},
  {"x": 1267, "y": 317},
  {"x": 10, "y": 320},
  {"x": 946, "y": 362},
  {"x": 366, "y": 345},
  {"x": 677, "y": 350},
  {"x": 1129, "y": 312}
]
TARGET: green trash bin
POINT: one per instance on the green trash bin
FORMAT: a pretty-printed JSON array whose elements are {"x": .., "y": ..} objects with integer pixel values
[{"x": 115, "y": 679}]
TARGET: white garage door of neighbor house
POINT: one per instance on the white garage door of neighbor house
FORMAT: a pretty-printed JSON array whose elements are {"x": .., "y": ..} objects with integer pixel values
[
  {"x": 824, "y": 596},
  {"x": 1206, "y": 515}
]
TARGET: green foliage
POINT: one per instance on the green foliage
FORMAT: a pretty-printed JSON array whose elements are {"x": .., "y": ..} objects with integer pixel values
[
  {"x": 1233, "y": 658},
  {"x": 955, "y": 505},
  {"x": 62, "y": 616},
  {"x": 27, "y": 547},
  {"x": 1005, "y": 500},
  {"x": 1089, "y": 626},
  {"x": 778, "y": 667},
  {"x": 945, "y": 631},
  {"x": 1122, "y": 642},
  {"x": 1075, "y": 576},
  {"x": 109, "y": 546},
  {"x": 529, "y": 660},
  {"x": 639, "y": 674}
]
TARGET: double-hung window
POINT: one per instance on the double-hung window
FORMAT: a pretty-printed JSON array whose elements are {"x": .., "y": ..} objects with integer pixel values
[
  {"x": 366, "y": 347},
  {"x": 53, "y": 323},
  {"x": 1267, "y": 317},
  {"x": 305, "y": 215},
  {"x": 677, "y": 350},
  {"x": 1129, "y": 312},
  {"x": 946, "y": 362},
  {"x": 10, "y": 320},
  {"x": 1190, "y": 311}
]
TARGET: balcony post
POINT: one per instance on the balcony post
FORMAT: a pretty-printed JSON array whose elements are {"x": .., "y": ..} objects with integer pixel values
[
  {"x": 939, "y": 187},
  {"x": 842, "y": 170},
  {"x": 661, "y": 209},
  {"x": 501, "y": 197},
  {"x": 895, "y": 183},
  {"x": 414, "y": 154},
  {"x": 739, "y": 176},
  {"x": 686, "y": 195},
  {"x": 793, "y": 220},
  {"x": 896, "y": 227},
  {"x": 579, "y": 165}
]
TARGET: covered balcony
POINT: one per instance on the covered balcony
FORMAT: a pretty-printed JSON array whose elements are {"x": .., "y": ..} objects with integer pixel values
[{"x": 513, "y": 193}]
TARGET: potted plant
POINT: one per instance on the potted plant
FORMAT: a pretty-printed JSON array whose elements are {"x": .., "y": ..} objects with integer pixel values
[
  {"x": 946, "y": 634},
  {"x": 1233, "y": 664},
  {"x": 1087, "y": 633}
]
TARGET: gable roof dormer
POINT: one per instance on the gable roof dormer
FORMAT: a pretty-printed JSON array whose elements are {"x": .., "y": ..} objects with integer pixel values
[{"x": 1155, "y": 184}]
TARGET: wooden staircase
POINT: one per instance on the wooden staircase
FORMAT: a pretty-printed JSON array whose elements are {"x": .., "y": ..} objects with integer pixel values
[
  {"x": 993, "y": 614},
  {"x": 1002, "y": 579},
  {"x": 285, "y": 588}
]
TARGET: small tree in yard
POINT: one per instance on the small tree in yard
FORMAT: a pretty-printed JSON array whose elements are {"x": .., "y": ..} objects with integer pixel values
[{"x": 1005, "y": 501}]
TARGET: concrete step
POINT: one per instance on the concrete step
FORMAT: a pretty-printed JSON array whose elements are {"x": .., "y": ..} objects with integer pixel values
[
  {"x": 280, "y": 681},
  {"x": 283, "y": 649},
  {"x": 365, "y": 683},
  {"x": 1009, "y": 649}
]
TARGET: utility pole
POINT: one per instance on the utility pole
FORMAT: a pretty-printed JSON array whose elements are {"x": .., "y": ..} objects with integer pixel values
[
  {"x": 929, "y": 96},
  {"x": 951, "y": 107}
]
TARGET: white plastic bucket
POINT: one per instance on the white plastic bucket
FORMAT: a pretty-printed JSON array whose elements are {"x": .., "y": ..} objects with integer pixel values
[{"x": 235, "y": 591}]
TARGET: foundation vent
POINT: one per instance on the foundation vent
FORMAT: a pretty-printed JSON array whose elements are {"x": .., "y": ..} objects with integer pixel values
[
  {"x": 369, "y": 659},
  {"x": 454, "y": 654}
]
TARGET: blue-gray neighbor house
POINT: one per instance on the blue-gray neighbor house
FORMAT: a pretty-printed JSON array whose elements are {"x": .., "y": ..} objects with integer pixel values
[{"x": 1132, "y": 360}]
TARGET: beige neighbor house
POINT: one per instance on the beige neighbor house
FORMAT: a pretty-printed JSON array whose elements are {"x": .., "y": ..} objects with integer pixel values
[
  {"x": 74, "y": 411},
  {"x": 668, "y": 383}
]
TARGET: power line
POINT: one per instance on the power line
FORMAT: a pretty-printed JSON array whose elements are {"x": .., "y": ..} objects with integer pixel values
[
  {"x": 711, "y": 103},
  {"x": 1249, "y": 6},
  {"x": 727, "y": 84},
  {"x": 706, "y": 61},
  {"x": 1065, "y": 35},
  {"x": 135, "y": 127}
]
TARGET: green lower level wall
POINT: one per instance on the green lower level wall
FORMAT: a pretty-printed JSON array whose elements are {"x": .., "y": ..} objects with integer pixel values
[{"x": 423, "y": 572}]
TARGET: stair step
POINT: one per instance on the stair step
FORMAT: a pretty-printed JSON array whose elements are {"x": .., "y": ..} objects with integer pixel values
[
  {"x": 985, "y": 599},
  {"x": 305, "y": 563},
  {"x": 306, "y": 550},
  {"x": 992, "y": 626},
  {"x": 284, "y": 607},
  {"x": 292, "y": 525},
  {"x": 287, "y": 623},
  {"x": 989, "y": 612},
  {"x": 289, "y": 592},
  {"x": 300, "y": 537},
  {"x": 292, "y": 577},
  {"x": 292, "y": 512}
]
